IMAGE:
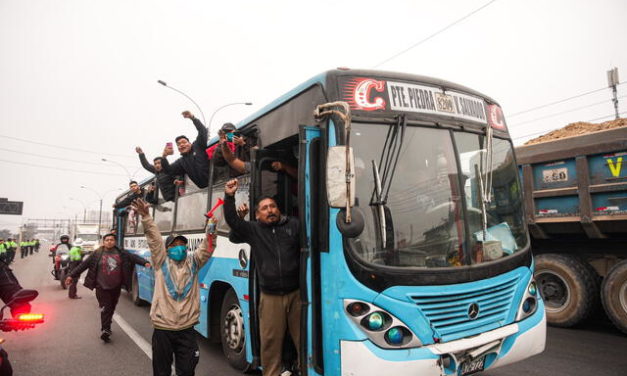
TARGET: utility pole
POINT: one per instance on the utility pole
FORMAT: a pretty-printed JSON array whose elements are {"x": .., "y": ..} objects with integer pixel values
[{"x": 612, "y": 82}]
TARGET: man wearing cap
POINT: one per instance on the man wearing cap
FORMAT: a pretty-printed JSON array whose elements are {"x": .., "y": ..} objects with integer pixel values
[
  {"x": 193, "y": 160},
  {"x": 110, "y": 269},
  {"x": 176, "y": 298},
  {"x": 234, "y": 149}
]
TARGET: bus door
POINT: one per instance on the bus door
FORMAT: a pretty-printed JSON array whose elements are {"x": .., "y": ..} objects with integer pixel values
[
  {"x": 309, "y": 202},
  {"x": 265, "y": 182}
]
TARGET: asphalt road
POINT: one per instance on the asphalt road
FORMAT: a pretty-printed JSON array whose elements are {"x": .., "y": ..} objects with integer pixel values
[{"x": 68, "y": 342}]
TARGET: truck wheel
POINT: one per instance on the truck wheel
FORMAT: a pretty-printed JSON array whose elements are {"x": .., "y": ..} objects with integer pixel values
[
  {"x": 62, "y": 277},
  {"x": 135, "y": 292},
  {"x": 569, "y": 288},
  {"x": 614, "y": 295},
  {"x": 233, "y": 336}
]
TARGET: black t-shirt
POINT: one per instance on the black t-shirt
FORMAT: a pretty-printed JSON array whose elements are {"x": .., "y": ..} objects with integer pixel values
[{"x": 109, "y": 270}]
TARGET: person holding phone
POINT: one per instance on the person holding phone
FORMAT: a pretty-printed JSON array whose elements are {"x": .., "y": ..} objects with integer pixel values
[
  {"x": 193, "y": 160},
  {"x": 165, "y": 181},
  {"x": 233, "y": 149}
]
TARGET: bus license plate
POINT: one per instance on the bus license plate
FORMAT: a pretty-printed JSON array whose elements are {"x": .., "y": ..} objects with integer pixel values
[{"x": 472, "y": 366}]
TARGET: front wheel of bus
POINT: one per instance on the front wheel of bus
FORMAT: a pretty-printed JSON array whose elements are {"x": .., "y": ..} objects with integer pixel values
[
  {"x": 233, "y": 336},
  {"x": 569, "y": 288}
]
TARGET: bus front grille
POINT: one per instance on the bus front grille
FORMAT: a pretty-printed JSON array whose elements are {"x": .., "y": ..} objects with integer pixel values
[{"x": 467, "y": 312}]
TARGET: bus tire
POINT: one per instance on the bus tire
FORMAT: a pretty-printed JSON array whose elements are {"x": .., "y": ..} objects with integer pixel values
[
  {"x": 569, "y": 288},
  {"x": 232, "y": 331},
  {"x": 614, "y": 295},
  {"x": 135, "y": 292}
]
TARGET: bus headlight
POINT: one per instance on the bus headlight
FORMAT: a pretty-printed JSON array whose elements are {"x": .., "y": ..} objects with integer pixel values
[
  {"x": 529, "y": 302},
  {"x": 383, "y": 329}
]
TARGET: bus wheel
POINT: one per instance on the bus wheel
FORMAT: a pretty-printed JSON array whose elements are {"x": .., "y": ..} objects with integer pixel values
[
  {"x": 135, "y": 292},
  {"x": 569, "y": 288},
  {"x": 233, "y": 336},
  {"x": 614, "y": 295}
]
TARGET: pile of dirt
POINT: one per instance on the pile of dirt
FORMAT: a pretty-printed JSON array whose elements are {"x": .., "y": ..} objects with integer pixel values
[{"x": 578, "y": 128}]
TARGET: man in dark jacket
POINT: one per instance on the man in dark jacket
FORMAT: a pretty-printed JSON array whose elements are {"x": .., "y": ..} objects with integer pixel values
[
  {"x": 274, "y": 241},
  {"x": 136, "y": 192},
  {"x": 165, "y": 181},
  {"x": 110, "y": 269},
  {"x": 193, "y": 161}
]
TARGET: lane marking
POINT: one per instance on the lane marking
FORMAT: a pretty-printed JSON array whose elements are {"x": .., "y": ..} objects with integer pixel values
[{"x": 132, "y": 333}]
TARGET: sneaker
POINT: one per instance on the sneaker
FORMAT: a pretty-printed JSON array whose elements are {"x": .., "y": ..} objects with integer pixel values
[{"x": 106, "y": 336}]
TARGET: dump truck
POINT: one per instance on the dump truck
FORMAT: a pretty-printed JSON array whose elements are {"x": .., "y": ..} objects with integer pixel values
[{"x": 575, "y": 200}]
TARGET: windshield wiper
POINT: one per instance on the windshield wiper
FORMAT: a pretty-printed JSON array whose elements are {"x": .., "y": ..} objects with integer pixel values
[{"x": 383, "y": 181}]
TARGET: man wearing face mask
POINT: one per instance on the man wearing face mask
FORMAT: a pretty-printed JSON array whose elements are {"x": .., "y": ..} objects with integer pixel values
[
  {"x": 274, "y": 241},
  {"x": 193, "y": 160},
  {"x": 176, "y": 299}
]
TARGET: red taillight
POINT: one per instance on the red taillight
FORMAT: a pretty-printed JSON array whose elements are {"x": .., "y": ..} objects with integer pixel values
[{"x": 30, "y": 317}]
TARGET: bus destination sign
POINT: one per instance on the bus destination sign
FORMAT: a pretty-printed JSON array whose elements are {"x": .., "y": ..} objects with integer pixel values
[{"x": 368, "y": 94}]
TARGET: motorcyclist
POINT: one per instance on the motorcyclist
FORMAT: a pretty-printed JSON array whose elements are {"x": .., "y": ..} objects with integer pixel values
[
  {"x": 9, "y": 286},
  {"x": 63, "y": 247},
  {"x": 76, "y": 256}
]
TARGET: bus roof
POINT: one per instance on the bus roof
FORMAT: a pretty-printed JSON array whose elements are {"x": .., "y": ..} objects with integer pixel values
[{"x": 327, "y": 80}]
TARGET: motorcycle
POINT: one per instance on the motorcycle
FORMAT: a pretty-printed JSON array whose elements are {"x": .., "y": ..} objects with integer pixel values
[
  {"x": 61, "y": 261},
  {"x": 22, "y": 319}
]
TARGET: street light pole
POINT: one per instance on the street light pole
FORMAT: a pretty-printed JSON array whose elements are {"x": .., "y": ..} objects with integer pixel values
[
  {"x": 219, "y": 108},
  {"x": 119, "y": 164},
  {"x": 186, "y": 96},
  {"x": 84, "y": 208},
  {"x": 100, "y": 212}
]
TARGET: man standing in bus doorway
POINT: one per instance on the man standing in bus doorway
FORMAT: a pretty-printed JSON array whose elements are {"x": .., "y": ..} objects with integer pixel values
[
  {"x": 176, "y": 299},
  {"x": 110, "y": 269},
  {"x": 274, "y": 241},
  {"x": 193, "y": 160}
]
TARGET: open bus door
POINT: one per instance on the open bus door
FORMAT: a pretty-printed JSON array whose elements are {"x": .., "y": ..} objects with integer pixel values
[{"x": 309, "y": 191}]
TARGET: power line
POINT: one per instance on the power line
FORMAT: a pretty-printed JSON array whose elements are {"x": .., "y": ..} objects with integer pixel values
[
  {"x": 587, "y": 121},
  {"x": 563, "y": 112},
  {"x": 434, "y": 34},
  {"x": 61, "y": 169},
  {"x": 603, "y": 117},
  {"x": 57, "y": 158},
  {"x": 559, "y": 101},
  {"x": 63, "y": 147}
]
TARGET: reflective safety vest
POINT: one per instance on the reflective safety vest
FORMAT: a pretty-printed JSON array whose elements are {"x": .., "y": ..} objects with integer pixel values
[
  {"x": 3, "y": 248},
  {"x": 12, "y": 244},
  {"x": 76, "y": 253}
]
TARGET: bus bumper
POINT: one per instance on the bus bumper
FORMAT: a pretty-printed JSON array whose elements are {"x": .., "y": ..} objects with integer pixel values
[{"x": 505, "y": 345}]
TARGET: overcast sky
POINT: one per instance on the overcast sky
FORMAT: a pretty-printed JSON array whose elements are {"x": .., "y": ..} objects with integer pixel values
[{"x": 83, "y": 74}]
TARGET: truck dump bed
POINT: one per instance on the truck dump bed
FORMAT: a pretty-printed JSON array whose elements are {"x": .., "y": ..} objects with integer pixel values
[{"x": 576, "y": 187}]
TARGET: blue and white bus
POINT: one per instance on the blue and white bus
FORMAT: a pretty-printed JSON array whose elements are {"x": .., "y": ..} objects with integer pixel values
[{"x": 415, "y": 256}]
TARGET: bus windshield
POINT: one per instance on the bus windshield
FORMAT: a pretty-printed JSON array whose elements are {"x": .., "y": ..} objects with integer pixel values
[{"x": 432, "y": 208}]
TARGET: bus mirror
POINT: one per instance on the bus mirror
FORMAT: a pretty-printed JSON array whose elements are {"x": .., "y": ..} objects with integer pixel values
[{"x": 338, "y": 181}]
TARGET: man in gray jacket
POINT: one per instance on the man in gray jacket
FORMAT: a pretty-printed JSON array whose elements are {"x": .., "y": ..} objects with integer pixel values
[{"x": 176, "y": 297}]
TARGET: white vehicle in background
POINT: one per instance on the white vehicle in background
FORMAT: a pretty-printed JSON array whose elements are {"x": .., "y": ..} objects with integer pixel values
[{"x": 89, "y": 234}]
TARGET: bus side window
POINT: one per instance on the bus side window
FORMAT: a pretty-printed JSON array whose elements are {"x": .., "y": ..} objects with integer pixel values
[
  {"x": 241, "y": 197},
  {"x": 190, "y": 207},
  {"x": 163, "y": 214}
]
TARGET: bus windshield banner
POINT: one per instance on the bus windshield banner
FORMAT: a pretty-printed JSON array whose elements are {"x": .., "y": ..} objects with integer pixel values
[{"x": 368, "y": 94}]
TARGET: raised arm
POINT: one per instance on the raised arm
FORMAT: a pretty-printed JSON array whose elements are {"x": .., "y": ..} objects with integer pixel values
[
  {"x": 153, "y": 235},
  {"x": 142, "y": 159},
  {"x": 203, "y": 253},
  {"x": 201, "y": 139},
  {"x": 243, "y": 228},
  {"x": 173, "y": 169}
]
